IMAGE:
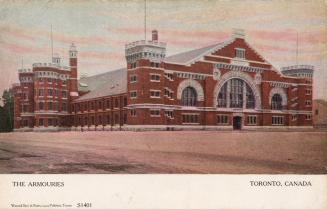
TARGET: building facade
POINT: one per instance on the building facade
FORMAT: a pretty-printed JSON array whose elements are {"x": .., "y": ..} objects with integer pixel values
[{"x": 223, "y": 86}]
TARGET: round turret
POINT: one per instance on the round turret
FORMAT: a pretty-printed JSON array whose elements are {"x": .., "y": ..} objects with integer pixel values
[{"x": 300, "y": 71}]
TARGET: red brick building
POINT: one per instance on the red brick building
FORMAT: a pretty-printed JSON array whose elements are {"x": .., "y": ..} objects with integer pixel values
[{"x": 223, "y": 86}]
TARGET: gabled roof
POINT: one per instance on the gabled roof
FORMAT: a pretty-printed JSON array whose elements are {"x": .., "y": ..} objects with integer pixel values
[
  {"x": 105, "y": 84},
  {"x": 186, "y": 58}
]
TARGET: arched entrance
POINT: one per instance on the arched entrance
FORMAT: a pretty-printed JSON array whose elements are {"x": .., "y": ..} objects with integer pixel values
[{"x": 237, "y": 122}]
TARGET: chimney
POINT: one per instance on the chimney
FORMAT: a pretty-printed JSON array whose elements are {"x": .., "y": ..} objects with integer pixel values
[
  {"x": 154, "y": 35},
  {"x": 239, "y": 33}
]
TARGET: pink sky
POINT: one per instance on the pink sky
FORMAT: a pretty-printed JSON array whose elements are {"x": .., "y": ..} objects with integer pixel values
[{"x": 100, "y": 29}]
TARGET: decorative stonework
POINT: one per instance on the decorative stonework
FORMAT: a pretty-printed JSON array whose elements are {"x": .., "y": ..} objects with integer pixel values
[
  {"x": 192, "y": 83},
  {"x": 258, "y": 79},
  {"x": 216, "y": 74},
  {"x": 243, "y": 76},
  {"x": 239, "y": 67},
  {"x": 279, "y": 84},
  {"x": 281, "y": 92}
]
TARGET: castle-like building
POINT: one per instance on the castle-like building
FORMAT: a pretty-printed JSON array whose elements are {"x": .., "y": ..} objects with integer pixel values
[{"x": 223, "y": 86}]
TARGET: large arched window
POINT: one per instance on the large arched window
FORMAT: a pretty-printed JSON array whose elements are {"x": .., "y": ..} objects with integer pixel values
[
  {"x": 189, "y": 97},
  {"x": 236, "y": 93},
  {"x": 276, "y": 102}
]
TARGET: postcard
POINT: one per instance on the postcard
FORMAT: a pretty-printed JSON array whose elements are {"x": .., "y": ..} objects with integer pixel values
[{"x": 160, "y": 104}]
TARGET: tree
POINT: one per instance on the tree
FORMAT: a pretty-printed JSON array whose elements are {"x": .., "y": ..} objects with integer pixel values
[{"x": 7, "y": 111}]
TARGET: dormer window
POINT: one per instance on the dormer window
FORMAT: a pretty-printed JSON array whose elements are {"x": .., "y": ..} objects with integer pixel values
[{"x": 240, "y": 53}]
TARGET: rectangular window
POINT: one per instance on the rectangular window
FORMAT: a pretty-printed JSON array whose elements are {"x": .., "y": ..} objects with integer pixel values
[
  {"x": 41, "y": 105},
  {"x": 50, "y": 123},
  {"x": 240, "y": 53},
  {"x": 41, "y": 92},
  {"x": 50, "y": 92},
  {"x": 155, "y": 113},
  {"x": 50, "y": 106},
  {"x": 41, "y": 122},
  {"x": 116, "y": 103},
  {"x": 133, "y": 94},
  {"x": 155, "y": 77},
  {"x": 154, "y": 93},
  {"x": 169, "y": 76},
  {"x": 133, "y": 79},
  {"x": 168, "y": 93},
  {"x": 252, "y": 120},
  {"x": 155, "y": 64},
  {"x": 222, "y": 119},
  {"x": 108, "y": 119},
  {"x": 64, "y": 82},
  {"x": 64, "y": 106},
  {"x": 277, "y": 120},
  {"x": 294, "y": 117},
  {"x": 133, "y": 65},
  {"x": 190, "y": 118},
  {"x": 169, "y": 114},
  {"x": 133, "y": 112},
  {"x": 308, "y": 117},
  {"x": 308, "y": 91},
  {"x": 308, "y": 102},
  {"x": 64, "y": 94}
]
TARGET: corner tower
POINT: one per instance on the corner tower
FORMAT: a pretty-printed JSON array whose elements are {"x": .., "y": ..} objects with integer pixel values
[
  {"x": 145, "y": 77},
  {"x": 73, "y": 71}
]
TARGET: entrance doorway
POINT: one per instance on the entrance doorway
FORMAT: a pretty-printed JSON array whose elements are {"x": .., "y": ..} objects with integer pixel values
[{"x": 237, "y": 123}]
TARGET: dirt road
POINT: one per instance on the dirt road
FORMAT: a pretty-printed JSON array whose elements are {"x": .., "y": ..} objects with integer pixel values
[{"x": 164, "y": 152}]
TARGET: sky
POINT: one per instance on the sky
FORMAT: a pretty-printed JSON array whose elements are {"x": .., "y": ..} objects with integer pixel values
[{"x": 101, "y": 28}]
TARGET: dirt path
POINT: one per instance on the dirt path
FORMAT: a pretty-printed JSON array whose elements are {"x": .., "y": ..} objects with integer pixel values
[{"x": 164, "y": 152}]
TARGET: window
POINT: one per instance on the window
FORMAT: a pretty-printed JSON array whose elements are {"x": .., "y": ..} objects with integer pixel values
[
  {"x": 64, "y": 94},
  {"x": 64, "y": 106},
  {"x": 222, "y": 119},
  {"x": 190, "y": 118},
  {"x": 116, "y": 119},
  {"x": 125, "y": 101},
  {"x": 50, "y": 106},
  {"x": 294, "y": 117},
  {"x": 49, "y": 80},
  {"x": 133, "y": 79},
  {"x": 25, "y": 108},
  {"x": 108, "y": 104},
  {"x": 99, "y": 120},
  {"x": 277, "y": 120},
  {"x": 308, "y": 117},
  {"x": 154, "y": 93},
  {"x": 133, "y": 112},
  {"x": 41, "y": 92},
  {"x": 222, "y": 96},
  {"x": 252, "y": 120},
  {"x": 308, "y": 91},
  {"x": 41, "y": 122},
  {"x": 133, "y": 65},
  {"x": 316, "y": 111},
  {"x": 155, "y": 77},
  {"x": 155, "y": 113},
  {"x": 189, "y": 97},
  {"x": 236, "y": 95},
  {"x": 168, "y": 93},
  {"x": 169, "y": 76},
  {"x": 155, "y": 64},
  {"x": 92, "y": 120},
  {"x": 240, "y": 53},
  {"x": 125, "y": 118},
  {"x": 276, "y": 102},
  {"x": 133, "y": 94},
  {"x": 116, "y": 103},
  {"x": 169, "y": 114},
  {"x": 50, "y": 123},
  {"x": 250, "y": 101},
  {"x": 308, "y": 102},
  {"x": 64, "y": 82},
  {"x": 108, "y": 119},
  {"x": 41, "y": 105},
  {"x": 50, "y": 92}
]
